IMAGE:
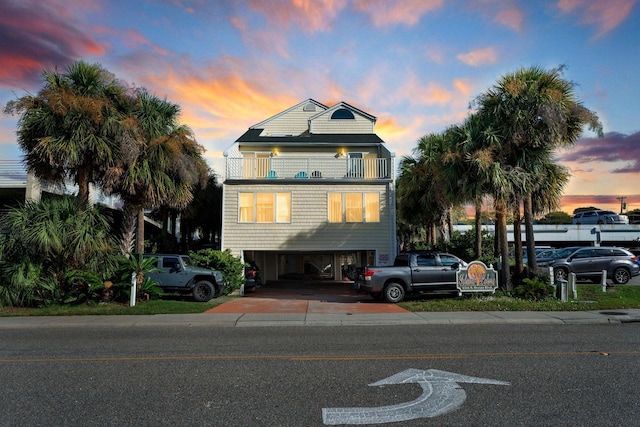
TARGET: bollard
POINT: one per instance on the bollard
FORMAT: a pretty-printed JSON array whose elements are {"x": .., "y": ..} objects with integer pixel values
[
  {"x": 573, "y": 291},
  {"x": 132, "y": 297},
  {"x": 563, "y": 290},
  {"x": 551, "y": 278},
  {"x": 603, "y": 281}
]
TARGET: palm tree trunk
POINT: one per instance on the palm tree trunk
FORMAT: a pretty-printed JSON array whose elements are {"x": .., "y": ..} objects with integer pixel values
[
  {"x": 83, "y": 188},
  {"x": 129, "y": 213},
  {"x": 140, "y": 231},
  {"x": 528, "y": 227},
  {"x": 503, "y": 244},
  {"x": 517, "y": 241},
  {"x": 478, "y": 222}
]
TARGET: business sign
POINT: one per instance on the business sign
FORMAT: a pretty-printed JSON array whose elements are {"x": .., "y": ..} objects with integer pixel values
[{"x": 477, "y": 277}]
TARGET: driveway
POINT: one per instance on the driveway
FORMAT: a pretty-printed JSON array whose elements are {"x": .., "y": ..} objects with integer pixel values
[{"x": 311, "y": 297}]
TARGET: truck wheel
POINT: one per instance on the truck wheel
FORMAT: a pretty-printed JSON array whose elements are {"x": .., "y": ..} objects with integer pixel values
[
  {"x": 394, "y": 293},
  {"x": 203, "y": 291},
  {"x": 620, "y": 276}
]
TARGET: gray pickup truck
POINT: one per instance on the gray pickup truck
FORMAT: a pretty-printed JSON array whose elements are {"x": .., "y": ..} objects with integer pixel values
[
  {"x": 174, "y": 273},
  {"x": 416, "y": 271}
]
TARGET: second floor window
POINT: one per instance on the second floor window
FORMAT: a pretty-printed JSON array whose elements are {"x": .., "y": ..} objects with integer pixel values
[
  {"x": 353, "y": 207},
  {"x": 264, "y": 207}
]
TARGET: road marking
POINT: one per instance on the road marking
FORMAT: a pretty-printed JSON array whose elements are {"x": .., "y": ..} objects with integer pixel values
[
  {"x": 313, "y": 358},
  {"x": 441, "y": 394}
]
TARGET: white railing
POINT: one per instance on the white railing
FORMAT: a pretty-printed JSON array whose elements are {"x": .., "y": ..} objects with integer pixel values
[
  {"x": 13, "y": 174},
  {"x": 306, "y": 167}
]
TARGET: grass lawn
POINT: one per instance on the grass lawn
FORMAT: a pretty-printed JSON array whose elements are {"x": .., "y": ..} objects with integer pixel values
[
  {"x": 166, "y": 305},
  {"x": 590, "y": 297}
]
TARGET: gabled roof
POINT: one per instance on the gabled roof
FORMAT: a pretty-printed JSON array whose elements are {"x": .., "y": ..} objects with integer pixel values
[
  {"x": 282, "y": 113},
  {"x": 348, "y": 107}
]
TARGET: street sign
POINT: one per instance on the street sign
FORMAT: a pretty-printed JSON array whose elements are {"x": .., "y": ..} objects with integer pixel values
[
  {"x": 441, "y": 394},
  {"x": 477, "y": 277}
]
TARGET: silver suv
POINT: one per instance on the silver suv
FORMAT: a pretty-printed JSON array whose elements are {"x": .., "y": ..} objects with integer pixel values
[
  {"x": 599, "y": 217},
  {"x": 589, "y": 262}
]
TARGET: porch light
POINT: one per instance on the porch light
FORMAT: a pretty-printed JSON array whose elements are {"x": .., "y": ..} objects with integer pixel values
[
  {"x": 341, "y": 153},
  {"x": 274, "y": 152}
]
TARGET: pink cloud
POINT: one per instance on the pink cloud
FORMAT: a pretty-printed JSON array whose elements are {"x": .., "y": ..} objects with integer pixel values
[
  {"x": 36, "y": 35},
  {"x": 479, "y": 57},
  {"x": 385, "y": 13},
  {"x": 133, "y": 38},
  {"x": 612, "y": 148},
  {"x": 604, "y": 15},
  {"x": 308, "y": 15},
  {"x": 503, "y": 12}
]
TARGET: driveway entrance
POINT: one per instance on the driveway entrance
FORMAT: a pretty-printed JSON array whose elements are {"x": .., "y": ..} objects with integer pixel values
[{"x": 317, "y": 297}]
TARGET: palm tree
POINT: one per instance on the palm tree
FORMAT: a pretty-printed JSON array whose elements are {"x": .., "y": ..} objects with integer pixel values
[
  {"x": 535, "y": 111},
  {"x": 161, "y": 166},
  {"x": 72, "y": 129}
]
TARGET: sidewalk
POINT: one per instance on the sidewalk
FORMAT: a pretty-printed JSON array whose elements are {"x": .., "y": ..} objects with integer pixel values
[{"x": 320, "y": 304}]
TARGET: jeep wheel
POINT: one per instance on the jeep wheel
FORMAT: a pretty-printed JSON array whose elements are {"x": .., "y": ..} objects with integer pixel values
[
  {"x": 394, "y": 293},
  {"x": 621, "y": 276},
  {"x": 203, "y": 291}
]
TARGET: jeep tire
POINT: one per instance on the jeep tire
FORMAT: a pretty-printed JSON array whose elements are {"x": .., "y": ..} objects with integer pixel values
[{"x": 203, "y": 291}]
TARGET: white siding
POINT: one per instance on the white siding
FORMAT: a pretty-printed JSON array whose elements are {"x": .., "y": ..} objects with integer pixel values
[
  {"x": 295, "y": 122},
  {"x": 309, "y": 229},
  {"x": 324, "y": 124}
]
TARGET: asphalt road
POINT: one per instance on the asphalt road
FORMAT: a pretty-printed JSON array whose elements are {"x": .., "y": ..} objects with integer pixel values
[{"x": 553, "y": 375}]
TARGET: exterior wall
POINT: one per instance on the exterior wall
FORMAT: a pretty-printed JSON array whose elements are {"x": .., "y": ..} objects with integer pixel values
[
  {"x": 324, "y": 124},
  {"x": 295, "y": 122},
  {"x": 309, "y": 229}
]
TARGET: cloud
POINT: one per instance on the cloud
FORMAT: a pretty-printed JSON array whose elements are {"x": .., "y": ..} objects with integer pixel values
[
  {"x": 479, "y": 57},
  {"x": 612, "y": 148},
  {"x": 384, "y": 13},
  {"x": 308, "y": 15},
  {"x": 35, "y": 35},
  {"x": 604, "y": 15},
  {"x": 504, "y": 12}
]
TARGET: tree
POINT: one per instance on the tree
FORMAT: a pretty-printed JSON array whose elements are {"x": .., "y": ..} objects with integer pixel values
[
  {"x": 535, "y": 111},
  {"x": 161, "y": 166},
  {"x": 73, "y": 128},
  {"x": 556, "y": 217}
]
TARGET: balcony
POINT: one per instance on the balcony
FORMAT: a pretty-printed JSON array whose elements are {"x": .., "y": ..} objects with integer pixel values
[{"x": 307, "y": 167}]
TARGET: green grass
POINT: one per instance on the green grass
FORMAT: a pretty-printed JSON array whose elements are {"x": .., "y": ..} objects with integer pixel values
[
  {"x": 161, "y": 306},
  {"x": 590, "y": 297}
]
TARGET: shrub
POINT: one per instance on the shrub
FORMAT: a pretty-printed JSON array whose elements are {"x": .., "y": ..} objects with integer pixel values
[
  {"x": 230, "y": 266},
  {"x": 533, "y": 289}
]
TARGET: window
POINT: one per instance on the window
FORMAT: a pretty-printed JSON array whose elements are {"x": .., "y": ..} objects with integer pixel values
[
  {"x": 353, "y": 207},
  {"x": 426, "y": 260},
  {"x": 264, "y": 207},
  {"x": 342, "y": 113}
]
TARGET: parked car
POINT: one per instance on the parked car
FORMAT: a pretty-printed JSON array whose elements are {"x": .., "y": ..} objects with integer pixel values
[
  {"x": 415, "y": 271},
  {"x": 176, "y": 274},
  {"x": 252, "y": 278},
  {"x": 549, "y": 258},
  {"x": 589, "y": 262},
  {"x": 599, "y": 217}
]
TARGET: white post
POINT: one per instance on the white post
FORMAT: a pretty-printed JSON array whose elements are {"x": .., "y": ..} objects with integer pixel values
[
  {"x": 603, "y": 281},
  {"x": 563, "y": 290},
  {"x": 132, "y": 297},
  {"x": 572, "y": 286},
  {"x": 551, "y": 278}
]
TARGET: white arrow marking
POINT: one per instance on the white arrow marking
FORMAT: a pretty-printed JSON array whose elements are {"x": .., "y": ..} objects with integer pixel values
[{"x": 441, "y": 394}]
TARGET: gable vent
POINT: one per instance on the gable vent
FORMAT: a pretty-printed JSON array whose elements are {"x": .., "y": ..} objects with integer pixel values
[{"x": 309, "y": 106}]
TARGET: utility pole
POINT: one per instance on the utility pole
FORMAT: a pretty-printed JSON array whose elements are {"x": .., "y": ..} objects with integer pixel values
[{"x": 623, "y": 205}]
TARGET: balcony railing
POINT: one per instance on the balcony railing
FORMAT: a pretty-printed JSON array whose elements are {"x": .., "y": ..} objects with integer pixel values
[{"x": 307, "y": 167}]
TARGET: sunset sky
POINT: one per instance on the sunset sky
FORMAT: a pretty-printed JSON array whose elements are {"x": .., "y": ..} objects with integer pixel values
[{"x": 415, "y": 65}]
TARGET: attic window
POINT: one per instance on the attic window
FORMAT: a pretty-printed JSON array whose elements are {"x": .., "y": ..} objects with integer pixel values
[
  {"x": 342, "y": 113},
  {"x": 309, "y": 107}
]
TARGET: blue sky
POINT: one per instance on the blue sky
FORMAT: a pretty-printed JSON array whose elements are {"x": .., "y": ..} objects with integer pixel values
[{"x": 415, "y": 65}]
